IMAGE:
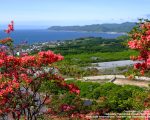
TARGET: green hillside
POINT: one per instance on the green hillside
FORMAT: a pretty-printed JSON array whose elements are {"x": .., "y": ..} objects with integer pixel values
[{"x": 114, "y": 27}]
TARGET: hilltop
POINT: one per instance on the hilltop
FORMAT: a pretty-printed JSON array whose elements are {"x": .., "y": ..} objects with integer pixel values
[{"x": 109, "y": 27}]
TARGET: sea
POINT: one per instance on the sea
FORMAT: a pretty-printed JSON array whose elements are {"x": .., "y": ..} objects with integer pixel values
[{"x": 40, "y": 36}]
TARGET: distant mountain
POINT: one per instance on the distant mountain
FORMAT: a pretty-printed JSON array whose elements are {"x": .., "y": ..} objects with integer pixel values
[{"x": 114, "y": 27}]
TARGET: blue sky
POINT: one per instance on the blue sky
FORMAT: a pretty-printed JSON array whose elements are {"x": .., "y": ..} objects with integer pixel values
[{"x": 42, "y": 13}]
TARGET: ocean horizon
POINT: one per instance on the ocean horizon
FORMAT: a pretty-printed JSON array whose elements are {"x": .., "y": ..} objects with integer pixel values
[{"x": 36, "y": 36}]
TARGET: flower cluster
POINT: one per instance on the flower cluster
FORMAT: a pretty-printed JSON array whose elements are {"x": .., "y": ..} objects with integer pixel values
[
  {"x": 66, "y": 107},
  {"x": 10, "y": 27},
  {"x": 21, "y": 77},
  {"x": 5, "y": 40},
  {"x": 73, "y": 88},
  {"x": 140, "y": 41}
]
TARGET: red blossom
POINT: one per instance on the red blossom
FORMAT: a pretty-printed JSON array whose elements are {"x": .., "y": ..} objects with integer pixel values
[
  {"x": 73, "y": 88},
  {"x": 5, "y": 40},
  {"x": 1, "y": 62},
  {"x": 10, "y": 27},
  {"x": 47, "y": 101},
  {"x": 18, "y": 84},
  {"x": 66, "y": 107},
  {"x": 137, "y": 65},
  {"x": 140, "y": 41}
]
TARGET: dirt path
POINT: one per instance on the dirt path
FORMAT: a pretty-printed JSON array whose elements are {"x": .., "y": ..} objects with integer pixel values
[
  {"x": 132, "y": 82},
  {"x": 118, "y": 79}
]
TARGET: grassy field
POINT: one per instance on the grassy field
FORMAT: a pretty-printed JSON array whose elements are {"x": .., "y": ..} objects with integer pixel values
[
  {"x": 80, "y": 53},
  {"x": 84, "y": 58},
  {"x": 84, "y": 51},
  {"x": 73, "y": 65}
]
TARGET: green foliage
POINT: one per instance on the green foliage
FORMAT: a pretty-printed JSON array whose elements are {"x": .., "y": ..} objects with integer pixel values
[
  {"x": 73, "y": 65},
  {"x": 85, "y": 59},
  {"x": 104, "y": 90},
  {"x": 89, "y": 45},
  {"x": 86, "y": 88},
  {"x": 123, "y": 37},
  {"x": 115, "y": 98},
  {"x": 52, "y": 88},
  {"x": 81, "y": 52}
]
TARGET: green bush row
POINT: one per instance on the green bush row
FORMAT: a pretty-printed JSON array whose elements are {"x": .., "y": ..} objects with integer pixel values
[{"x": 112, "y": 97}]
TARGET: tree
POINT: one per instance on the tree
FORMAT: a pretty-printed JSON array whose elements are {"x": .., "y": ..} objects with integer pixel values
[
  {"x": 21, "y": 77},
  {"x": 139, "y": 39}
]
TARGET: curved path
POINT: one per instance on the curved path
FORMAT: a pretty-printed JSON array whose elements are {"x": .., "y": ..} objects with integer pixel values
[{"x": 118, "y": 79}]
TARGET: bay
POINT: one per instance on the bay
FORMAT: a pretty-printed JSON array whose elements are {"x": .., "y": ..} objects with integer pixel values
[{"x": 35, "y": 36}]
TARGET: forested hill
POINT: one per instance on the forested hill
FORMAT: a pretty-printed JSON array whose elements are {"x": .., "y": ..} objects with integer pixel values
[{"x": 114, "y": 27}]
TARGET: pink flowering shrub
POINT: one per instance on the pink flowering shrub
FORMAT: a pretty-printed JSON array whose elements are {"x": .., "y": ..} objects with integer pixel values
[
  {"x": 140, "y": 41},
  {"x": 21, "y": 78}
]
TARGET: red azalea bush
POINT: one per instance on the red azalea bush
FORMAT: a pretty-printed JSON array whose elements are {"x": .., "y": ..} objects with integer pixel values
[
  {"x": 21, "y": 77},
  {"x": 140, "y": 41}
]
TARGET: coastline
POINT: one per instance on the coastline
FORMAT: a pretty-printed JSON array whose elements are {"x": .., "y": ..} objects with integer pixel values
[{"x": 123, "y": 33}]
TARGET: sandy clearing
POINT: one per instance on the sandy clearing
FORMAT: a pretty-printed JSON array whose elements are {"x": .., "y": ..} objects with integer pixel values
[
  {"x": 132, "y": 82},
  {"x": 120, "y": 80}
]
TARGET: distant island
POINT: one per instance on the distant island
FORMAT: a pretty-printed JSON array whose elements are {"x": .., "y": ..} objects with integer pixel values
[{"x": 110, "y": 27}]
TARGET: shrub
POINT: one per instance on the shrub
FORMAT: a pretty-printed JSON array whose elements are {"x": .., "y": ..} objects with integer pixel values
[
  {"x": 139, "y": 39},
  {"x": 115, "y": 98},
  {"x": 21, "y": 77}
]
